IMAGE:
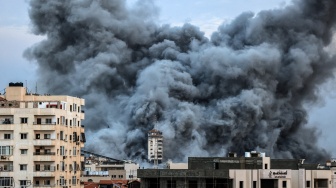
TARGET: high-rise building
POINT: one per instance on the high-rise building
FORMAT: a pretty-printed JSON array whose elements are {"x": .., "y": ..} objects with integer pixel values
[
  {"x": 155, "y": 146},
  {"x": 41, "y": 137}
]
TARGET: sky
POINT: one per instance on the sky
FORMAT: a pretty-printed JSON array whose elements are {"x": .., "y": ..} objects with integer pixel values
[{"x": 15, "y": 37}]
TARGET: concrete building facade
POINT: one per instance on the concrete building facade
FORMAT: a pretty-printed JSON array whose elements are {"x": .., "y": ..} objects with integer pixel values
[
  {"x": 251, "y": 171},
  {"x": 41, "y": 137},
  {"x": 98, "y": 167},
  {"x": 155, "y": 146}
]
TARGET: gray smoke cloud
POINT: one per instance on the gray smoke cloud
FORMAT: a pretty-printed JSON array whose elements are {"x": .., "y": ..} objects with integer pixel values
[{"x": 243, "y": 89}]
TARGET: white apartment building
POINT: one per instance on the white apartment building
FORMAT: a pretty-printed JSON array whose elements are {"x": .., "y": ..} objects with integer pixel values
[
  {"x": 155, "y": 146},
  {"x": 41, "y": 137}
]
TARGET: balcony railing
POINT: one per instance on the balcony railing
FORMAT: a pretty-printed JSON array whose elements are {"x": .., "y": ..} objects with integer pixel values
[
  {"x": 44, "y": 169},
  {"x": 44, "y": 123},
  {"x": 6, "y": 121},
  {"x": 6, "y": 169},
  {"x": 44, "y": 153},
  {"x": 39, "y": 185}
]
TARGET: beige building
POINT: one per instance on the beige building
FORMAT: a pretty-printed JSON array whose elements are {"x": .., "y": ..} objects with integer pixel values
[
  {"x": 98, "y": 167},
  {"x": 41, "y": 137}
]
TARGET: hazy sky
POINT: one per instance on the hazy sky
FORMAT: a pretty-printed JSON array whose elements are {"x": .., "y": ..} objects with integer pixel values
[{"x": 15, "y": 37}]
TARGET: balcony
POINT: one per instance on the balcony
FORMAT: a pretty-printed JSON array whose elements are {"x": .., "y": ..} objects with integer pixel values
[
  {"x": 6, "y": 173},
  {"x": 42, "y": 156},
  {"x": 43, "y": 168},
  {"x": 6, "y": 158},
  {"x": 43, "y": 186},
  {"x": 44, "y": 142},
  {"x": 6, "y": 121},
  {"x": 42, "y": 172},
  {"x": 36, "y": 111},
  {"x": 44, "y": 123},
  {"x": 45, "y": 126},
  {"x": 44, "y": 153},
  {"x": 6, "y": 168}
]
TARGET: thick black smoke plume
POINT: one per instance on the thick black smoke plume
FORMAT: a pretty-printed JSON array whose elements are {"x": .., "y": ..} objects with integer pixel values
[{"x": 242, "y": 90}]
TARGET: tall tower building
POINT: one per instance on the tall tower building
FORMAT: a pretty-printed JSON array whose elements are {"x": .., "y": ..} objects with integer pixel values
[
  {"x": 155, "y": 146},
  {"x": 41, "y": 137}
]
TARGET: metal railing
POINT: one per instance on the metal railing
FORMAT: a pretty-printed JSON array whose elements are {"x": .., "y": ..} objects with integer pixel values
[
  {"x": 44, "y": 169},
  {"x": 6, "y": 169},
  {"x": 7, "y": 121},
  {"x": 44, "y": 123},
  {"x": 44, "y": 153},
  {"x": 39, "y": 185}
]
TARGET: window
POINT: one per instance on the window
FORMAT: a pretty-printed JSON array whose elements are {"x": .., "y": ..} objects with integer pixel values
[
  {"x": 8, "y": 167},
  {"x": 6, "y": 181},
  {"x": 47, "y": 167},
  {"x": 37, "y": 136},
  {"x": 74, "y": 151},
  {"x": 284, "y": 184},
  {"x": 114, "y": 176},
  {"x": 24, "y": 120},
  {"x": 6, "y": 150},
  {"x": 307, "y": 183},
  {"x": 47, "y": 151},
  {"x": 241, "y": 184},
  {"x": 62, "y": 182},
  {"x": 73, "y": 180},
  {"x": 37, "y": 182},
  {"x": 121, "y": 176},
  {"x": 48, "y": 121},
  {"x": 254, "y": 184},
  {"x": 62, "y": 150},
  {"x": 23, "y": 182},
  {"x": 70, "y": 108},
  {"x": 266, "y": 166},
  {"x": 46, "y": 182},
  {"x": 23, "y": 136},
  {"x": 24, "y": 151},
  {"x": 37, "y": 167},
  {"x": 7, "y": 136},
  {"x": 47, "y": 136},
  {"x": 23, "y": 167},
  {"x": 62, "y": 165}
]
